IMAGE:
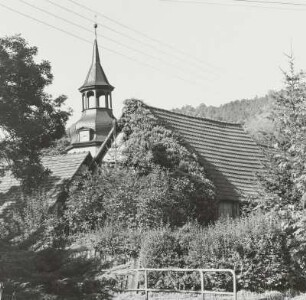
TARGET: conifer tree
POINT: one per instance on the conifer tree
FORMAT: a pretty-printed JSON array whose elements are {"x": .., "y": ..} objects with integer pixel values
[{"x": 285, "y": 179}]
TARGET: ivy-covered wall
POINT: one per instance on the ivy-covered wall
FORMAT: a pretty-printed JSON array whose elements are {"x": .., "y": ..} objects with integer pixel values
[
  {"x": 158, "y": 181},
  {"x": 150, "y": 145}
]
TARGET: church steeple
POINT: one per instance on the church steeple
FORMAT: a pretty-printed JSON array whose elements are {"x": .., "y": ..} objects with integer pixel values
[
  {"x": 97, "y": 120},
  {"x": 96, "y": 83}
]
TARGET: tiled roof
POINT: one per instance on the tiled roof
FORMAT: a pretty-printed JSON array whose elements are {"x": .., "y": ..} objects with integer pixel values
[
  {"x": 228, "y": 153},
  {"x": 62, "y": 167}
]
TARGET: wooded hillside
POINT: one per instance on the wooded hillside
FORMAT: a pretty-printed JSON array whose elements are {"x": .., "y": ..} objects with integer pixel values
[{"x": 252, "y": 113}]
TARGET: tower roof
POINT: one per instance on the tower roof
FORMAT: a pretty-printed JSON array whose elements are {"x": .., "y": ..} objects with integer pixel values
[{"x": 96, "y": 77}]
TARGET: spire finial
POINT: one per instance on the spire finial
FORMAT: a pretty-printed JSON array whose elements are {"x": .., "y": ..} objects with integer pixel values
[{"x": 95, "y": 26}]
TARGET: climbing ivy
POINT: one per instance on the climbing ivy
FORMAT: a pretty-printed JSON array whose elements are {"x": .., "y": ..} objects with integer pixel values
[
  {"x": 157, "y": 182},
  {"x": 150, "y": 145}
]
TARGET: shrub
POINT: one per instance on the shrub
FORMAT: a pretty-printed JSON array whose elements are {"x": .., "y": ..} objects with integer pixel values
[
  {"x": 256, "y": 247},
  {"x": 32, "y": 219},
  {"x": 121, "y": 195},
  {"x": 112, "y": 243},
  {"x": 161, "y": 249},
  {"x": 121, "y": 244}
]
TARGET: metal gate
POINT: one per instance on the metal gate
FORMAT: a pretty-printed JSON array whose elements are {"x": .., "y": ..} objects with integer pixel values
[{"x": 201, "y": 272}]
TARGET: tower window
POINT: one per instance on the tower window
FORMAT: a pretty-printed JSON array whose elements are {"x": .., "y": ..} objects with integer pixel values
[
  {"x": 91, "y": 99},
  {"x": 86, "y": 135}
]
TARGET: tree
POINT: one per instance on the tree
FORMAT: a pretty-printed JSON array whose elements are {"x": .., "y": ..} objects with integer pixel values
[
  {"x": 285, "y": 180},
  {"x": 30, "y": 119}
]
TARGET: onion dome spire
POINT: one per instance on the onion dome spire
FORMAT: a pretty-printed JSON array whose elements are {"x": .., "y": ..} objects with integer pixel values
[{"x": 97, "y": 119}]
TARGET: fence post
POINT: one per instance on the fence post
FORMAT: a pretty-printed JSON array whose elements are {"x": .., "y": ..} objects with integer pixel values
[
  {"x": 202, "y": 284},
  {"x": 146, "y": 284},
  {"x": 1, "y": 289},
  {"x": 234, "y": 285}
]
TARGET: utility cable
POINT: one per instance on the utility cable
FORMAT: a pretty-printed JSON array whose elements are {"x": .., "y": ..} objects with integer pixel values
[
  {"x": 107, "y": 38},
  {"x": 172, "y": 54},
  {"x": 245, "y": 3},
  {"x": 271, "y": 2},
  {"x": 90, "y": 42},
  {"x": 161, "y": 43}
]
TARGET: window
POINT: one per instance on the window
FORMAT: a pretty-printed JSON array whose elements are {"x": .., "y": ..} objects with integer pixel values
[
  {"x": 84, "y": 135},
  {"x": 91, "y": 99}
]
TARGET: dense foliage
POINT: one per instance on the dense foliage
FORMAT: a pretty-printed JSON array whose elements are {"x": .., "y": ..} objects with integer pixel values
[
  {"x": 257, "y": 247},
  {"x": 51, "y": 274},
  {"x": 121, "y": 195},
  {"x": 285, "y": 180},
  {"x": 261, "y": 248},
  {"x": 150, "y": 145},
  {"x": 158, "y": 181},
  {"x": 30, "y": 119}
]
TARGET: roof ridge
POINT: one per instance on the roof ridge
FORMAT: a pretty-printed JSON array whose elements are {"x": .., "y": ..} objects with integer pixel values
[{"x": 197, "y": 118}]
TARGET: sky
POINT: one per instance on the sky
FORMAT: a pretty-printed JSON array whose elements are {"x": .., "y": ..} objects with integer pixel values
[{"x": 166, "y": 53}]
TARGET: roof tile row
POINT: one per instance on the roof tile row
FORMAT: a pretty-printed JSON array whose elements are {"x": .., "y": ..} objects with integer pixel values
[{"x": 229, "y": 154}]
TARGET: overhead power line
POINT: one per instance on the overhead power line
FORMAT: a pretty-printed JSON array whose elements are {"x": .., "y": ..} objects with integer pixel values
[
  {"x": 159, "y": 42},
  {"x": 272, "y": 2},
  {"x": 247, "y": 3},
  {"x": 165, "y": 62},
  {"x": 140, "y": 41},
  {"x": 90, "y": 20},
  {"x": 90, "y": 42}
]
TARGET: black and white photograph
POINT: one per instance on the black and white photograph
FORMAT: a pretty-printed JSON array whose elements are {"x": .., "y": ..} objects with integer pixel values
[{"x": 153, "y": 149}]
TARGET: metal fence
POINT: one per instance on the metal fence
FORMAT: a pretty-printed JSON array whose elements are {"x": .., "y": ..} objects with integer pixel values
[{"x": 146, "y": 289}]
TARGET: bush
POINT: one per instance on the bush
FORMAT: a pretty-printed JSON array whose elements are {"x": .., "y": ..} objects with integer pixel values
[
  {"x": 161, "y": 249},
  {"x": 32, "y": 219},
  {"x": 256, "y": 247},
  {"x": 112, "y": 243},
  {"x": 120, "y": 244},
  {"x": 120, "y": 195}
]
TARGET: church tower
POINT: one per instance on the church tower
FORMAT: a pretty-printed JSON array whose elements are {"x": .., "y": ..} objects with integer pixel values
[{"x": 97, "y": 119}]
